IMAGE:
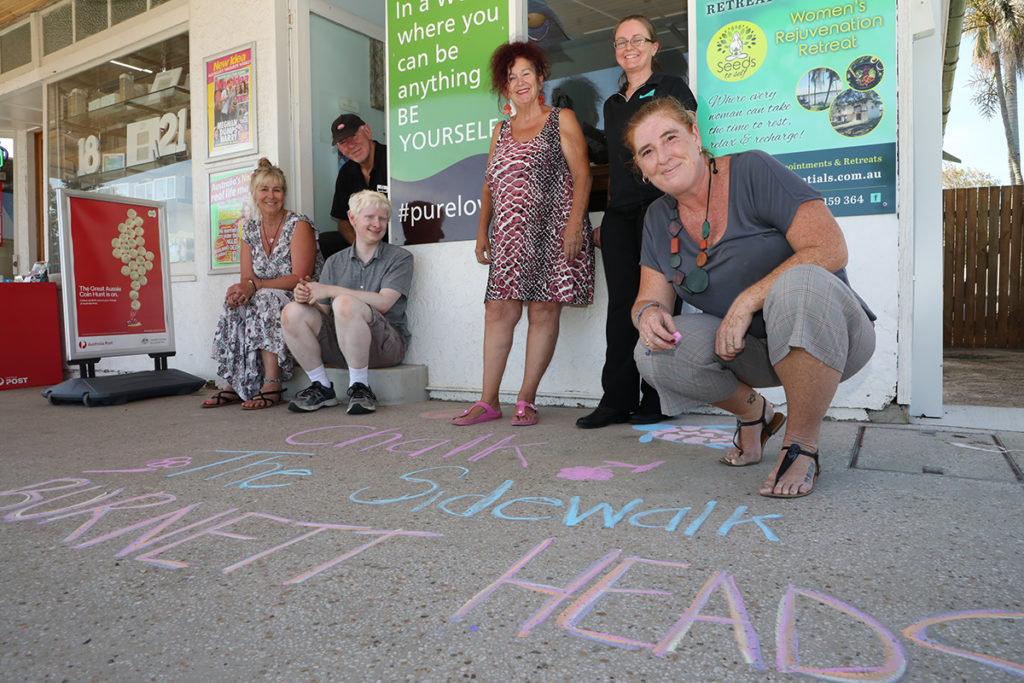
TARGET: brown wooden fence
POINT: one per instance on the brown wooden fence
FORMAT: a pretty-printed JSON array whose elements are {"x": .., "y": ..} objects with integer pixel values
[{"x": 983, "y": 230}]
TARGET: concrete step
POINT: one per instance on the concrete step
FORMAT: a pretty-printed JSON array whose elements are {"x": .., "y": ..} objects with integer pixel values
[{"x": 392, "y": 386}]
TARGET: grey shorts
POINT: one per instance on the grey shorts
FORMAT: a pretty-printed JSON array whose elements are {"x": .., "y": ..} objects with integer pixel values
[
  {"x": 807, "y": 307},
  {"x": 387, "y": 345}
]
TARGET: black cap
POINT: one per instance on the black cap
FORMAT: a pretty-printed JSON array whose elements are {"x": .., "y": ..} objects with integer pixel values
[{"x": 344, "y": 127}]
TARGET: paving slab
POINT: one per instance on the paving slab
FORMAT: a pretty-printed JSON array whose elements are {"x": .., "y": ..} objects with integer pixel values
[{"x": 159, "y": 541}]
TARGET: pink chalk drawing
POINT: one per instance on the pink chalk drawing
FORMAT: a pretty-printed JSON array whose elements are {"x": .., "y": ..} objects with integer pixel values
[
  {"x": 152, "y": 465},
  {"x": 603, "y": 472},
  {"x": 712, "y": 436}
]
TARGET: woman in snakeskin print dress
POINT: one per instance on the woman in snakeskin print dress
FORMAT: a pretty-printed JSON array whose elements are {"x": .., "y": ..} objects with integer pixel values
[{"x": 534, "y": 233}]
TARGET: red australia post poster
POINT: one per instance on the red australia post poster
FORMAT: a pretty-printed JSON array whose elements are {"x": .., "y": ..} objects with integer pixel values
[{"x": 117, "y": 268}]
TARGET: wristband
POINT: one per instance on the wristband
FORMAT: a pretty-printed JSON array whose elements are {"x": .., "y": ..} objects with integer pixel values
[
  {"x": 253, "y": 286},
  {"x": 644, "y": 308}
]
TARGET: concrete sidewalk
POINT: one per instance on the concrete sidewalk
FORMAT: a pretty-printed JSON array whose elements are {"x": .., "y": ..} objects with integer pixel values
[{"x": 159, "y": 541}]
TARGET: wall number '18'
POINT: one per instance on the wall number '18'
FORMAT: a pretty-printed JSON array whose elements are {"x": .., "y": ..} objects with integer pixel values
[{"x": 88, "y": 155}]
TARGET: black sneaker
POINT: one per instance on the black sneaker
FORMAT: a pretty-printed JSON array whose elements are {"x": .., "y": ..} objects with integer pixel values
[
  {"x": 361, "y": 399},
  {"x": 313, "y": 397}
]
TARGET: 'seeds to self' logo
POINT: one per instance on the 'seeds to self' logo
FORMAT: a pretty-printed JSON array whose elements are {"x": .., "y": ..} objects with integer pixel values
[{"x": 736, "y": 51}]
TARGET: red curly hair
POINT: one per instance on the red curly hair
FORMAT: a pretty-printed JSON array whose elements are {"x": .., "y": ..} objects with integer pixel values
[{"x": 506, "y": 55}]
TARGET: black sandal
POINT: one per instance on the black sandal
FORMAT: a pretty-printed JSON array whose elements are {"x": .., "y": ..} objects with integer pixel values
[
  {"x": 222, "y": 398},
  {"x": 264, "y": 397},
  {"x": 793, "y": 451},
  {"x": 767, "y": 431}
]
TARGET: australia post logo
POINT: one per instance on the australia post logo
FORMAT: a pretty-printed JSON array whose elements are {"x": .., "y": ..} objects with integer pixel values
[
  {"x": 736, "y": 51},
  {"x": 83, "y": 344}
]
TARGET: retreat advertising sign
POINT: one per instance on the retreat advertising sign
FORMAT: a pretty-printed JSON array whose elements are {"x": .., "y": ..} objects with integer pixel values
[
  {"x": 229, "y": 209},
  {"x": 116, "y": 284},
  {"x": 813, "y": 84},
  {"x": 440, "y": 113}
]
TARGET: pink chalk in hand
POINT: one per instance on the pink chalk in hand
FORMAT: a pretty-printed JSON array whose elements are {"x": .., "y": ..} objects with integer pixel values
[{"x": 676, "y": 336}]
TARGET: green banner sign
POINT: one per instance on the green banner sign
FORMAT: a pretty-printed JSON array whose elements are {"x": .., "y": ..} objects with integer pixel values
[
  {"x": 812, "y": 84},
  {"x": 441, "y": 113}
]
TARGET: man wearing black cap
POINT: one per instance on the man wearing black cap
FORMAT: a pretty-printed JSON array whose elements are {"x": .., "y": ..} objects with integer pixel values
[{"x": 366, "y": 168}]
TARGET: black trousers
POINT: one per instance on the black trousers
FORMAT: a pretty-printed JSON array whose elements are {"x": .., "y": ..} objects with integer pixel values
[{"x": 621, "y": 236}]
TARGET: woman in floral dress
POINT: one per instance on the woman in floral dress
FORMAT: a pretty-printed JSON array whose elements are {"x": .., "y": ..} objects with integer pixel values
[
  {"x": 533, "y": 232},
  {"x": 279, "y": 248}
]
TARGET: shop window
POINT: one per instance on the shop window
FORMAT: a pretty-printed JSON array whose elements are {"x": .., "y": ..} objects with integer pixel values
[
  {"x": 90, "y": 17},
  {"x": 578, "y": 40},
  {"x": 58, "y": 32},
  {"x": 15, "y": 48},
  {"x": 7, "y": 245},
  {"x": 123, "y": 128}
]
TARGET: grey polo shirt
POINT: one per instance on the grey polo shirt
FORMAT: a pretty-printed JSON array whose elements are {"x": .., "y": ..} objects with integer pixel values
[
  {"x": 390, "y": 268},
  {"x": 764, "y": 197}
]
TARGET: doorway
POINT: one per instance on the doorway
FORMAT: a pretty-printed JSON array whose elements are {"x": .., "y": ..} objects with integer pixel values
[{"x": 337, "y": 90}]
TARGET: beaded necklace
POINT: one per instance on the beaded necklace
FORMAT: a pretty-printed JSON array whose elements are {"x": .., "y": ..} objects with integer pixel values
[{"x": 697, "y": 280}]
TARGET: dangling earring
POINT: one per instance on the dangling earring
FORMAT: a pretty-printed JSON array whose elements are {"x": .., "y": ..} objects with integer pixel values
[
  {"x": 541, "y": 98},
  {"x": 508, "y": 110},
  {"x": 647, "y": 181}
]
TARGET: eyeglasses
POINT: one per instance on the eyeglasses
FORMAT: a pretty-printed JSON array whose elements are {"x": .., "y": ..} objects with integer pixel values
[
  {"x": 635, "y": 41},
  {"x": 697, "y": 280}
]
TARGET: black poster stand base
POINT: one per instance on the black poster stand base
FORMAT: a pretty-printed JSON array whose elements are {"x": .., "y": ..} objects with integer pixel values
[{"x": 116, "y": 389}]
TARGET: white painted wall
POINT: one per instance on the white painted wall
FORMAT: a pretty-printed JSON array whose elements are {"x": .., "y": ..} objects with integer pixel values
[
  {"x": 923, "y": 339},
  {"x": 446, "y": 315},
  {"x": 215, "y": 26}
]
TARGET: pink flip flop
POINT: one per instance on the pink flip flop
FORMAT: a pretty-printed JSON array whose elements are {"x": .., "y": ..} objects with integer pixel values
[
  {"x": 465, "y": 420},
  {"x": 520, "y": 413}
]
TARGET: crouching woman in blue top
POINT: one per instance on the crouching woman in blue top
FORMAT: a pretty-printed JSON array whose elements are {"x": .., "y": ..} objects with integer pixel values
[{"x": 753, "y": 246}]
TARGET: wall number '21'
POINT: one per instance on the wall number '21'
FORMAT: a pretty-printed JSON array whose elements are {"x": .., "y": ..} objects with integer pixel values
[{"x": 167, "y": 132}]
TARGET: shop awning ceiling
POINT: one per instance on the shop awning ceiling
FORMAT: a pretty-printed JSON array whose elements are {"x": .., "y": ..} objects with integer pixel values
[
  {"x": 589, "y": 23},
  {"x": 12, "y": 9},
  {"x": 582, "y": 18}
]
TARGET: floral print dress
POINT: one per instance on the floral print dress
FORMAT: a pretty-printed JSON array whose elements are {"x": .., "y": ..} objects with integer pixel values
[{"x": 243, "y": 331}]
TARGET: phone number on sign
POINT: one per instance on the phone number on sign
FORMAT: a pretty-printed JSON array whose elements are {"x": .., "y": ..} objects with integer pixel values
[{"x": 843, "y": 200}]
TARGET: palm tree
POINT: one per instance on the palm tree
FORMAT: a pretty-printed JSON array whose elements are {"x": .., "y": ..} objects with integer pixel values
[
  {"x": 833, "y": 79},
  {"x": 998, "y": 30}
]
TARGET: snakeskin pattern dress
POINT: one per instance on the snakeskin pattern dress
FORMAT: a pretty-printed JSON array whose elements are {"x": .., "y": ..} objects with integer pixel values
[{"x": 531, "y": 190}]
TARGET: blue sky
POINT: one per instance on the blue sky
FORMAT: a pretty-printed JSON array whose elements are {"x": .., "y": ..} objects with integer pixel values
[{"x": 979, "y": 143}]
